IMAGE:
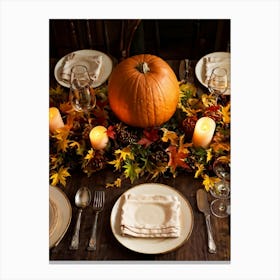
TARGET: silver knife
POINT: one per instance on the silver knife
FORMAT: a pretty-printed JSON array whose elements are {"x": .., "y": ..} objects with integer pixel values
[{"x": 203, "y": 206}]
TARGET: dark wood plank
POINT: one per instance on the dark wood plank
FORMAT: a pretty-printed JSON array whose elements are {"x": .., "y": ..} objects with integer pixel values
[{"x": 109, "y": 249}]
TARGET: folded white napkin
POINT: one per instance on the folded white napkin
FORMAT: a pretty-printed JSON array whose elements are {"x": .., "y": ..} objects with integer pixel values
[
  {"x": 212, "y": 62},
  {"x": 150, "y": 216},
  {"x": 92, "y": 62}
]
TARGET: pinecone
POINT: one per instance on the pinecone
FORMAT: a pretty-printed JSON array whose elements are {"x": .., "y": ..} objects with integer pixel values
[
  {"x": 86, "y": 131},
  {"x": 125, "y": 137},
  {"x": 158, "y": 156},
  {"x": 188, "y": 126},
  {"x": 213, "y": 113},
  {"x": 97, "y": 163}
]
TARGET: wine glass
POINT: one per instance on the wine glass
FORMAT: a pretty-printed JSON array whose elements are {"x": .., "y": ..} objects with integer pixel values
[
  {"x": 220, "y": 207},
  {"x": 81, "y": 95},
  {"x": 218, "y": 82}
]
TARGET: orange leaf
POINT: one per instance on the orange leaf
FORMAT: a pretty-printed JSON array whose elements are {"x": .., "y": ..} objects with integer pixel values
[{"x": 176, "y": 159}]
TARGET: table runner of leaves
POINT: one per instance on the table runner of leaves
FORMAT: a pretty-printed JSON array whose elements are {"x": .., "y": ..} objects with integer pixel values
[{"x": 135, "y": 152}]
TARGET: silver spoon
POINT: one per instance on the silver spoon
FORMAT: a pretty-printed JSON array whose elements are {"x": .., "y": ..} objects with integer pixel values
[{"x": 82, "y": 200}]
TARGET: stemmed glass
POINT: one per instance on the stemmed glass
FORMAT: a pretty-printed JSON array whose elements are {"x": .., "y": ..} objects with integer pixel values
[
  {"x": 218, "y": 82},
  {"x": 220, "y": 207},
  {"x": 81, "y": 95}
]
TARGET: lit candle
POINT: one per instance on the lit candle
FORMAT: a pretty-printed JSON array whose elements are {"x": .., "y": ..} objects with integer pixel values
[
  {"x": 98, "y": 137},
  {"x": 55, "y": 119},
  {"x": 203, "y": 132}
]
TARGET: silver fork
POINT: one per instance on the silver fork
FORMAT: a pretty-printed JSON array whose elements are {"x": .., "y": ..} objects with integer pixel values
[{"x": 98, "y": 204}]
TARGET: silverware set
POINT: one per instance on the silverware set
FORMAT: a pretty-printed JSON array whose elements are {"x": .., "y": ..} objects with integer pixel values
[{"x": 83, "y": 200}]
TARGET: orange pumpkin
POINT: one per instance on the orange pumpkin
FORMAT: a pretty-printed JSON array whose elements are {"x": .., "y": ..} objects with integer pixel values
[{"x": 143, "y": 91}]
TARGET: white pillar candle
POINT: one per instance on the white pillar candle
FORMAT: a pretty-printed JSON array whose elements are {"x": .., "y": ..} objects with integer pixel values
[
  {"x": 55, "y": 119},
  {"x": 98, "y": 137},
  {"x": 203, "y": 132}
]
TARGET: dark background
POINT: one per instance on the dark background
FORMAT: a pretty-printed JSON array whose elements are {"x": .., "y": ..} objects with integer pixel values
[{"x": 169, "y": 39}]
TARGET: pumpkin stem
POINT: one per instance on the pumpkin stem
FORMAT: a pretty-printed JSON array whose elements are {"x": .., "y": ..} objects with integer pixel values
[{"x": 143, "y": 67}]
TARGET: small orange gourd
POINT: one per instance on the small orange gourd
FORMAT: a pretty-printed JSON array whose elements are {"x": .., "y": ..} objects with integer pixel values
[{"x": 143, "y": 91}]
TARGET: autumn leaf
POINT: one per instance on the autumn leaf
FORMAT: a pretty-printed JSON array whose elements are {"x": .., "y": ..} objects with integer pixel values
[
  {"x": 117, "y": 183},
  {"x": 66, "y": 107},
  {"x": 55, "y": 161},
  {"x": 90, "y": 155},
  {"x": 220, "y": 147},
  {"x": 183, "y": 147},
  {"x": 150, "y": 136},
  {"x": 57, "y": 90},
  {"x": 101, "y": 116},
  {"x": 200, "y": 169},
  {"x": 111, "y": 132},
  {"x": 132, "y": 170},
  {"x": 209, "y": 182},
  {"x": 117, "y": 163},
  {"x": 209, "y": 155},
  {"x": 226, "y": 113},
  {"x": 188, "y": 87},
  {"x": 61, "y": 133},
  {"x": 62, "y": 145},
  {"x": 158, "y": 170},
  {"x": 125, "y": 153},
  {"x": 60, "y": 176},
  {"x": 208, "y": 100},
  {"x": 169, "y": 136},
  {"x": 176, "y": 159}
]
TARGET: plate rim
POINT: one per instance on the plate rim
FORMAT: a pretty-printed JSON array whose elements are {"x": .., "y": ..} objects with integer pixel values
[
  {"x": 59, "y": 63},
  {"x": 199, "y": 64},
  {"x": 64, "y": 196},
  {"x": 117, "y": 202}
]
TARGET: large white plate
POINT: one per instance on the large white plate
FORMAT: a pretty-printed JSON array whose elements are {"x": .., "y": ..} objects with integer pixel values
[
  {"x": 200, "y": 70},
  {"x": 61, "y": 212},
  {"x": 154, "y": 245},
  {"x": 105, "y": 71}
]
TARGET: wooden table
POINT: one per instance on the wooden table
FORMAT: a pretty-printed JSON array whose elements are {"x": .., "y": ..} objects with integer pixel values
[{"x": 109, "y": 249}]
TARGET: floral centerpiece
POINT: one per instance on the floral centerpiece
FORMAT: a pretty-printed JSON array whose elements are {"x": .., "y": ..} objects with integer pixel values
[{"x": 137, "y": 152}]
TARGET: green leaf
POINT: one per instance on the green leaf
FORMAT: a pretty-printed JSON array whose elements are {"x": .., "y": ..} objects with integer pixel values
[{"x": 131, "y": 170}]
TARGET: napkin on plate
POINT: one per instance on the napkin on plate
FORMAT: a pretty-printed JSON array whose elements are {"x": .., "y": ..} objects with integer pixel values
[
  {"x": 212, "y": 62},
  {"x": 162, "y": 221},
  {"x": 92, "y": 62}
]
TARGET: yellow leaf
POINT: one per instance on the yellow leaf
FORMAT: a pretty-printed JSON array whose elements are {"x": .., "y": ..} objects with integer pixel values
[
  {"x": 209, "y": 155},
  {"x": 125, "y": 153},
  {"x": 57, "y": 90},
  {"x": 220, "y": 147},
  {"x": 117, "y": 163},
  {"x": 132, "y": 171},
  {"x": 62, "y": 145},
  {"x": 183, "y": 147},
  {"x": 90, "y": 154},
  {"x": 209, "y": 182},
  {"x": 199, "y": 170},
  {"x": 208, "y": 100},
  {"x": 188, "y": 87},
  {"x": 159, "y": 170},
  {"x": 62, "y": 133},
  {"x": 117, "y": 183},
  {"x": 55, "y": 161},
  {"x": 226, "y": 113},
  {"x": 169, "y": 136},
  {"x": 74, "y": 144},
  {"x": 60, "y": 176}
]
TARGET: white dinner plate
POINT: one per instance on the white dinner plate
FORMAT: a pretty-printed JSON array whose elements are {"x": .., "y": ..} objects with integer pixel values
[
  {"x": 105, "y": 71},
  {"x": 154, "y": 245},
  {"x": 60, "y": 214},
  {"x": 200, "y": 70}
]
